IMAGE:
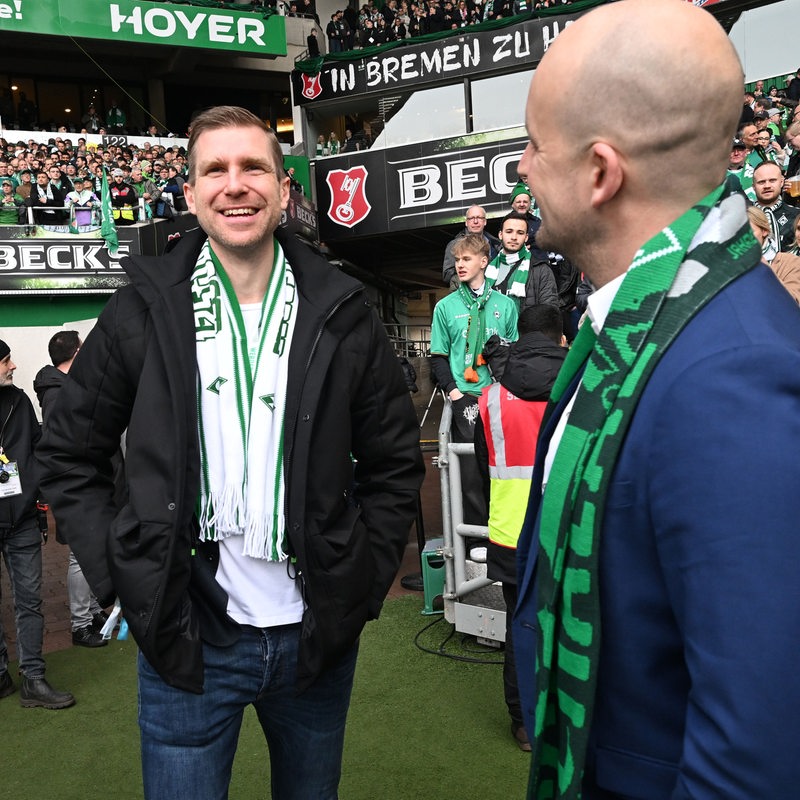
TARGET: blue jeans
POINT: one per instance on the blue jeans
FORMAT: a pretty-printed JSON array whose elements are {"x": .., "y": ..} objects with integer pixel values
[
  {"x": 21, "y": 549},
  {"x": 189, "y": 740}
]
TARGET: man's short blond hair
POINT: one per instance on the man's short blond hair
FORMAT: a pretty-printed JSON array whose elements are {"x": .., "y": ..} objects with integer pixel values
[
  {"x": 232, "y": 117},
  {"x": 471, "y": 243}
]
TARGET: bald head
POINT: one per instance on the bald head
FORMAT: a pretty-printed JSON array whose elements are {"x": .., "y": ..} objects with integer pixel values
[
  {"x": 642, "y": 70},
  {"x": 639, "y": 71}
]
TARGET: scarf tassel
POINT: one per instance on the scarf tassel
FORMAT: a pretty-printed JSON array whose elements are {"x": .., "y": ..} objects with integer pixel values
[
  {"x": 223, "y": 515},
  {"x": 258, "y": 532}
]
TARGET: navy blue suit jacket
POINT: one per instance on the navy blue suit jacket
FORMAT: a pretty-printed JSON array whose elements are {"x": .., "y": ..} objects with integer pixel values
[{"x": 699, "y": 679}]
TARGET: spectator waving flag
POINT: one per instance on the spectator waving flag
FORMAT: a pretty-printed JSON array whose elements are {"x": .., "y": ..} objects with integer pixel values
[{"x": 108, "y": 230}]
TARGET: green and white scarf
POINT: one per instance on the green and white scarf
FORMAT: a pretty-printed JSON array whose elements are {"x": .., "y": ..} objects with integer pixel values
[
  {"x": 518, "y": 265},
  {"x": 671, "y": 278},
  {"x": 241, "y": 397},
  {"x": 476, "y": 328}
]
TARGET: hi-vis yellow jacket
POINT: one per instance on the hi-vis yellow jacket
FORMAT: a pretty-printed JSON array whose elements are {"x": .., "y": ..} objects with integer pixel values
[{"x": 511, "y": 426}]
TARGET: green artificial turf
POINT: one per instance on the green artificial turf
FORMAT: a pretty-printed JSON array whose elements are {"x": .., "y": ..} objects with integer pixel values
[{"x": 420, "y": 725}]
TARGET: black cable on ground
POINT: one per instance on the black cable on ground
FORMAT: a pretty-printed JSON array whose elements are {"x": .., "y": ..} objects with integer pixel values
[{"x": 440, "y": 651}]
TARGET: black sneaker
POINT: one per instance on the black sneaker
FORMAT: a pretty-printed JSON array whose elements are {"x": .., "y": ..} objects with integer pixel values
[
  {"x": 86, "y": 637},
  {"x": 38, "y": 693},
  {"x": 6, "y": 685},
  {"x": 98, "y": 620}
]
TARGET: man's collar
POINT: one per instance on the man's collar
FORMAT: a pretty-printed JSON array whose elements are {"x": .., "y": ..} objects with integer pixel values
[
  {"x": 479, "y": 291},
  {"x": 599, "y": 303}
]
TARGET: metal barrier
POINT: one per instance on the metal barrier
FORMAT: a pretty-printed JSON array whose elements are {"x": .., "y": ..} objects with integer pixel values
[
  {"x": 97, "y": 216},
  {"x": 409, "y": 340},
  {"x": 469, "y": 603}
]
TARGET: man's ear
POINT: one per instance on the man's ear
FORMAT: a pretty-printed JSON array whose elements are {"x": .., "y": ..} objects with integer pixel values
[
  {"x": 606, "y": 173},
  {"x": 484, "y": 262},
  {"x": 188, "y": 196},
  {"x": 284, "y": 183}
]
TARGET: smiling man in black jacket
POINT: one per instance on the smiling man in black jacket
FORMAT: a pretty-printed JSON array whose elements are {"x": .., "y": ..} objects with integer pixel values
[{"x": 273, "y": 466}]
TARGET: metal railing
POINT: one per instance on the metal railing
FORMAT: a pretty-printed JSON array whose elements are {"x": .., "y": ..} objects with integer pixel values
[
  {"x": 486, "y": 622},
  {"x": 63, "y": 225},
  {"x": 409, "y": 341}
]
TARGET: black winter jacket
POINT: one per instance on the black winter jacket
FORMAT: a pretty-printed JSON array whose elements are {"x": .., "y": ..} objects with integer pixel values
[
  {"x": 46, "y": 384},
  {"x": 19, "y": 433},
  {"x": 347, "y": 526}
]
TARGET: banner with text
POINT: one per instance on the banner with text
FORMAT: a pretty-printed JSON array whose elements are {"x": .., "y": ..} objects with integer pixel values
[
  {"x": 416, "y": 186},
  {"x": 430, "y": 61},
  {"x": 37, "y": 261},
  {"x": 147, "y": 22}
]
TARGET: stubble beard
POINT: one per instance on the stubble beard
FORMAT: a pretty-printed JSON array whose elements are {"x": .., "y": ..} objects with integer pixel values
[
  {"x": 575, "y": 238},
  {"x": 557, "y": 241}
]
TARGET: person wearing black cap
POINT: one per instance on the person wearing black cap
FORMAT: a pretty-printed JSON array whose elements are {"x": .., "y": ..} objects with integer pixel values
[
  {"x": 736, "y": 162},
  {"x": 21, "y": 542},
  {"x": 761, "y": 118}
]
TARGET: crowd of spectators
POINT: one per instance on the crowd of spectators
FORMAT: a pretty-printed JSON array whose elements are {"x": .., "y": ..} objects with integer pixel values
[
  {"x": 768, "y": 128},
  {"x": 354, "y": 139},
  {"x": 62, "y": 183},
  {"x": 370, "y": 26}
]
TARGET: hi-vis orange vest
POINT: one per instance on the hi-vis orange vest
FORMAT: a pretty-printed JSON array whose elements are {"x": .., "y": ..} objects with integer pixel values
[{"x": 511, "y": 426}]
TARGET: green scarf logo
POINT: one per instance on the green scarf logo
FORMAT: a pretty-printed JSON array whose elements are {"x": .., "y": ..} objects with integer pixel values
[{"x": 216, "y": 385}]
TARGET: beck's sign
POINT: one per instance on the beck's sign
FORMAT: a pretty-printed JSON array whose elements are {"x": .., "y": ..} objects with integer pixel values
[{"x": 415, "y": 186}]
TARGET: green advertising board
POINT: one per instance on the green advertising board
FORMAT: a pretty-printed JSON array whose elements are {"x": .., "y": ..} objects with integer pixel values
[{"x": 149, "y": 23}]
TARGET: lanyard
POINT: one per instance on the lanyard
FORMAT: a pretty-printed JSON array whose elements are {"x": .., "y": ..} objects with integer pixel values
[{"x": 3, "y": 431}]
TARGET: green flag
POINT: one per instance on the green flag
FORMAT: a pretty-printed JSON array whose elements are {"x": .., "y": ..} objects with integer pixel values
[{"x": 108, "y": 230}]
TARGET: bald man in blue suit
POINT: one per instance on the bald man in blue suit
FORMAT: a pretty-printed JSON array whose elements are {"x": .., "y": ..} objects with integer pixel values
[{"x": 694, "y": 595}]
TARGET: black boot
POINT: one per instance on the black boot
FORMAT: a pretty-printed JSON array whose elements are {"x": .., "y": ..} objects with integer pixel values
[
  {"x": 6, "y": 685},
  {"x": 87, "y": 637},
  {"x": 99, "y": 620},
  {"x": 38, "y": 693}
]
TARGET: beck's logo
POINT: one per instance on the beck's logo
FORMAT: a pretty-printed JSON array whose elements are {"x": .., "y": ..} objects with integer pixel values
[
  {"x": 311, "y": 86},
  {"x": 349, "y": 204}
]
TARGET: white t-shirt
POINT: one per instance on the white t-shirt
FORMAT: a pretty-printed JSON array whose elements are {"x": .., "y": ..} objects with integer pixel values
[{"x": 260, "y": 593}]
